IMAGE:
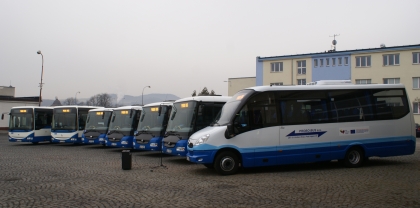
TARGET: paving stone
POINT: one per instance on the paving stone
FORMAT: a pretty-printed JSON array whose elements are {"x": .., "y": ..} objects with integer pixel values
[{"x": 65, "y": 175}]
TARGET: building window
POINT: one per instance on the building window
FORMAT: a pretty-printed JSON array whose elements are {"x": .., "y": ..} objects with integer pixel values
[
  {"x": 416, "y": 58},
  {"x": 301, "y": 81},
  {"x": 416, "y": 82},
  {"x": 391, "y": 80},
  {"x": 301, "y": 67},
  {"x": 321, "y": 62},
  {"x": 316, "y": 62},
  {"x": 362, "y": 61},
  {"x": 327, "y": 62},
  {"x": 333, "y": 61},
  {"x": 277, "y": 67},
  {"x": 391, "y": 59},
  {"x": 340, "y": 61},
  {"x": 346, "y": 61},
  {"x": 276, "y": 84},
  {"x": 363, "y": 81},
  {"x": 416, "y": 107}
]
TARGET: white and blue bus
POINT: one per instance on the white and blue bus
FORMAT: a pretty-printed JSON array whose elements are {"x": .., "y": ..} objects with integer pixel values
[
  {"x": 30, "y": 124},
  {"x": 188, "y": 116},
  {"x": 69, "y": 123},
  {"x": 266, "y": 126},
  {"x": 97, "y": 126},
  {"x": 124, "y": 122},
  {"x": 152, "y": 126}
]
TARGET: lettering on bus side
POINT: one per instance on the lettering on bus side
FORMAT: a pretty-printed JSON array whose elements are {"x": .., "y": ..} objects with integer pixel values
[{"x": 305, "y": 133}]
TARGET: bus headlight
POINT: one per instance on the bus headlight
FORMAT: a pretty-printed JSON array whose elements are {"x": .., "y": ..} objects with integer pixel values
[
  {"x": 153, "y": 144},
  {"x": 180, "y": 149},
  {"x": 202, "y": 139}
]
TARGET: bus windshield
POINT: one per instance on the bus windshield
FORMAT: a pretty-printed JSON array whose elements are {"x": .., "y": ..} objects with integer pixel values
[
  {"x": 229, "y": 109},
  {"x": 123, "y": 120},
  {"x": 98, "y": 121},
  {"x": 21, "y": 119},
  {"x": 64, "y": 119},
  {"x": 150, "y": 119},
  {"x": 182, "y": 115}
]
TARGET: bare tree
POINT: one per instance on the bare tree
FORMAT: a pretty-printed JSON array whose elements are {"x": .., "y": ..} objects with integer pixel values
[
  {"x": 103, "y": 99},
  {"x": 70, "y": 101}
]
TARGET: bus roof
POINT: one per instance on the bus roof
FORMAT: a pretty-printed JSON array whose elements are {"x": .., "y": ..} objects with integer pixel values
[
  {"x": 205, "y": 99},
  {"x": 77, "y": 106},
  {"x": 158, "y": 103},
  {"x": 134, "y": 107},
  {"x": 326, "y": 87},
  {"x": 102, "y": 109},
  {"x": 33, "y": 107}
]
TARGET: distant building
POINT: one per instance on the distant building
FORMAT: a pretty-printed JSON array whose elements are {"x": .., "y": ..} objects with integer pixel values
[
  {"x": 8, "y": 100},
  {"x": 56, "y": 102}
]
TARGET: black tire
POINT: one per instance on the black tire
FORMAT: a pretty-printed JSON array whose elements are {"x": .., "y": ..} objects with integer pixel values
[
  {"x": 355, "y": 157},
  {"x": 226, "y": 163},
  {"x": 209, "y": 166}
]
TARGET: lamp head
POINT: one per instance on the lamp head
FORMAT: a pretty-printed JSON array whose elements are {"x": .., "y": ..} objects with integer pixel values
[{"x": 38, "y": 52}]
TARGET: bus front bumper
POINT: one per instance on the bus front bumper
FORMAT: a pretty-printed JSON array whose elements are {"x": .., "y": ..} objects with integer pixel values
[{"x": 201, "y": 157}]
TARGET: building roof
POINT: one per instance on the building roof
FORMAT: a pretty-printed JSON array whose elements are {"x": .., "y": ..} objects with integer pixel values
[
  {"x": 21, "y": 99},
  {"x": 340, "y": 53}
]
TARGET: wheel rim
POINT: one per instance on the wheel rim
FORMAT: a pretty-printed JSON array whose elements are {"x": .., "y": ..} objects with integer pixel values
[
  {"x": 354, "y": 157},
  {"x": 227, "y": 164}
]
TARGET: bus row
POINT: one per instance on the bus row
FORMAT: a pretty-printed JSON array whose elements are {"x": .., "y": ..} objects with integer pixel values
[
  {"x": 258, "y": 126},
  {"x": 162, "y": 126}
]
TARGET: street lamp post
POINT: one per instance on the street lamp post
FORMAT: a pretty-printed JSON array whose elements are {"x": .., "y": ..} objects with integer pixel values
[
  {"x": 42, "y": 74},
  {"x": 142, "y": 95},
  {"x": 75, "y": 98}
]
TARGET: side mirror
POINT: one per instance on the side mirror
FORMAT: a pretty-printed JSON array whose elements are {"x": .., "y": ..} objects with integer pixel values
[
  {"x": 160, "y": 110},
  {"x": 142, "y": 116},
  {"x": 173, "y": 115},
  {"x": 229, "y": 131},
  {"x": 2, "y": 116}
]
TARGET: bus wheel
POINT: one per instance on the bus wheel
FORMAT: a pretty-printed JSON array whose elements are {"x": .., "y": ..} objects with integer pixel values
[
  {"x": 209, "y": 166},
  {"x": 226, "y": 163},
  {"x": 354, "y": 157}
]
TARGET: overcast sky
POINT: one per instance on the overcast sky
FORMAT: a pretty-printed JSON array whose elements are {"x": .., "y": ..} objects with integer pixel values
[{"x": 179, "y": 46}]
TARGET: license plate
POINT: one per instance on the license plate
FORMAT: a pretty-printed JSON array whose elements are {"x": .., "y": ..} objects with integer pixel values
[
  {"x": 90, "y": 141},
  {"x": 188, "y": 158},
  {"x": 62, "y": 141},
  {"x": 142, "y": 146},
  {"x": 169, "y": 151},
  {"x": 18, "y": 140},
  {"x": 114, "y": 144}
]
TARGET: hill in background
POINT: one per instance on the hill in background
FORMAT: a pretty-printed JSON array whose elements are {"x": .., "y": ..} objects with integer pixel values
[{"x": 124, "y": 100}]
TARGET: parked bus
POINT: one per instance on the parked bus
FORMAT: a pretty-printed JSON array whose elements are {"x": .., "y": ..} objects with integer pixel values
[
  {"x": 69, "y": 123},
  {"x": 265, "y": 126},
  {"x": 30, "y": 124},
  {"x": 97, "y": 126},
  {"x": 152, "y": 126},
  {"x": 188, "y": 116},
  {"x": 124, "y": 122}
]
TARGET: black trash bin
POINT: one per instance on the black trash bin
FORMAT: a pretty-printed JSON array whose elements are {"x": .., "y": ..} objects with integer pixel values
[{"x": 126, "y": 159}]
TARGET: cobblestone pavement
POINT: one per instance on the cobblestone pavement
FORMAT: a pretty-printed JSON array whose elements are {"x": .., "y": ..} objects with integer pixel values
[{"x": 65, "y": 175}]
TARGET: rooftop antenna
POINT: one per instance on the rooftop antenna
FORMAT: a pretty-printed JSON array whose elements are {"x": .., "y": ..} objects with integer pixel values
[{"x": 334, "y": 42}]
